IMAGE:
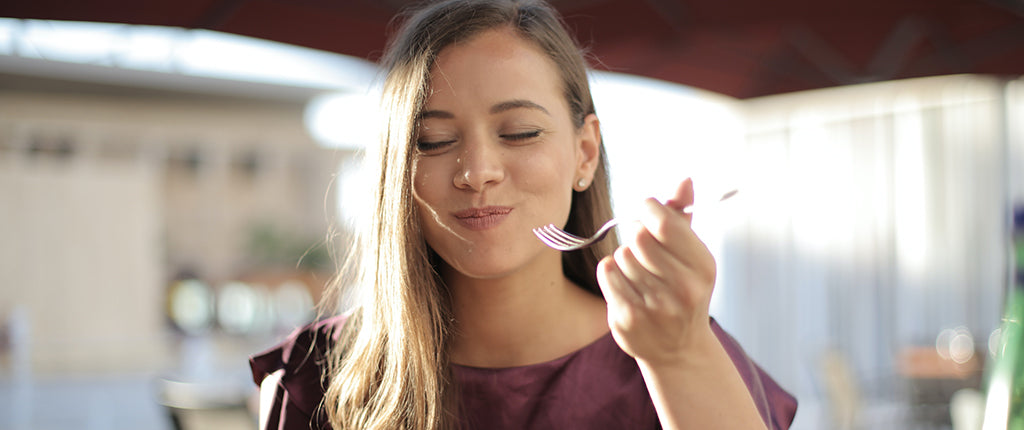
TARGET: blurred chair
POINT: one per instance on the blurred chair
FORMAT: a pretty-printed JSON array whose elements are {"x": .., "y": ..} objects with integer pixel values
[
  {"x": 212, "y": 386},
  {"x": 201, "y": 392},
  {"x": 966, "y": 409},
  {"x": 841, "y": 390},
  {"x": 225, "y": 397}
]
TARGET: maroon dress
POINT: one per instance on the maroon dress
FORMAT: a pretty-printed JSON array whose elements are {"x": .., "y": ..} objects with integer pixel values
[{"x": 596, "y": 387}]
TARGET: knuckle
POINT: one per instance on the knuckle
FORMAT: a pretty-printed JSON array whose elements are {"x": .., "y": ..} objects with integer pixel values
[
  {"x": 645, "y": 239},
  {"x": 662, "y": 228},
  {"x": 622, "y": 254}
]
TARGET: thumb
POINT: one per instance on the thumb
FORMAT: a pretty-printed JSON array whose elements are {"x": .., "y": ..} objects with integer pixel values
[{"x": 682, "y": 198}]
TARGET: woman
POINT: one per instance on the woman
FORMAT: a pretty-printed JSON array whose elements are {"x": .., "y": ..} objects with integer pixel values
[{"x": 467, "y": 321}]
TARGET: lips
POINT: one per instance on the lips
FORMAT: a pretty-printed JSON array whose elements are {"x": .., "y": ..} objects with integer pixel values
[{"x": 482, "y": 218}]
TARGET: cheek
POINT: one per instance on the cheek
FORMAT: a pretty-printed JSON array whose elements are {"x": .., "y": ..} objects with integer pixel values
[
  {"x": 432, "y": 192},
  {"x": 424, "y": 194},
  {"x": 547, "y": 178},
  {"x": 425, "y": 183},
  {"x": 551, "y": 170}
]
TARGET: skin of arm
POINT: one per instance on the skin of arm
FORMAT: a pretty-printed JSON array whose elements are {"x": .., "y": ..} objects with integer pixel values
[
  {"x": 701, "y": 392},
  {"x": 658, "y": 291}
]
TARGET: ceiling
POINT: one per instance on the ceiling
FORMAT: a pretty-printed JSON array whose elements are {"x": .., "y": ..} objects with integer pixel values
[{"x": 740, "y": 48}]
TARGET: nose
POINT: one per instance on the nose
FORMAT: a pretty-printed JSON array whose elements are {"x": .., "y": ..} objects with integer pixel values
[{"x": 479, "y": 166}]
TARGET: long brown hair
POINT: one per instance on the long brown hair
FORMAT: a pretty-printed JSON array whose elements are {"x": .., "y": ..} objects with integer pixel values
[{"x": 390, "y": 368}]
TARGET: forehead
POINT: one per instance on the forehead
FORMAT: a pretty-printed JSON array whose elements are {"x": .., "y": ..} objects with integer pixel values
[{"x": 496, "y": 63}]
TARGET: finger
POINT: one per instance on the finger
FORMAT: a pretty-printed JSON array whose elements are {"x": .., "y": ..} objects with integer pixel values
[
  {"x": 615, "y": 286},
  {"x": 676, "y": 236},
  {"x": 655, "y": 257},
  {"x": 683, "y": 197},
  {"x": 671, "y": 294},
  {"x": 669, "y": 228},
  {"x": 644, "y": 282}
]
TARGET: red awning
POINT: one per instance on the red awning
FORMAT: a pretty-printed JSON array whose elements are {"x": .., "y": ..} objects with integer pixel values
[{"x": 741, "y": 48}]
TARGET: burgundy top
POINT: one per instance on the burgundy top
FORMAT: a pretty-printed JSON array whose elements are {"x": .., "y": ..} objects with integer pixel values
[{"x": 596, "y": 387}]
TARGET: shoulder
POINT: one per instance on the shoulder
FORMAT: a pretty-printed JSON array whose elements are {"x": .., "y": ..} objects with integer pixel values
[
  {"x": 776, "y": 405},
  {"x": 298, "y": 363}
]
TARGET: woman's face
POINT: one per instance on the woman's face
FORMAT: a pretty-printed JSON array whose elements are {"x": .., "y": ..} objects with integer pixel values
[{"x": 497, "y": 154}]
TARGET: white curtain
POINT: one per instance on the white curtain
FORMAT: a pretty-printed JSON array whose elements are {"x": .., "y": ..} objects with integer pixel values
[
  {"x": 869, "y": 219},
  {"x": 878, "y": 216}
]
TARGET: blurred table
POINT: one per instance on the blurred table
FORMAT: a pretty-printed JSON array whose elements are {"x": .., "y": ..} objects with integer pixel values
[{"x": 933, "y": 379}]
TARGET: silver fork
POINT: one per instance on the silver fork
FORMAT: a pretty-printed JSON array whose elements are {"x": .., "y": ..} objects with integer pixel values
[{"x": 564, "y": 241}]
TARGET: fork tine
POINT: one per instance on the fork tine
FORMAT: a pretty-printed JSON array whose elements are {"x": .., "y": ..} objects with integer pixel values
[
  {"x": 568, "y": 238},
  {"x": 564, "y": 241},
  {"x": 551, "y": 233},
  {"x": 545, "y": 240},
  {"x": 548, "y": 240},
  {"x": 556, "y": 238}
]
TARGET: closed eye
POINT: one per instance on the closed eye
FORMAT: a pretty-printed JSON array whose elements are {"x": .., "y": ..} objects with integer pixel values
[
  {"x": 521, "y": 136},
  {"x": 428, "y": 147}
]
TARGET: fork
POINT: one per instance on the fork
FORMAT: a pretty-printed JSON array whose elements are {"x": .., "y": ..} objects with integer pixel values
[{"x": 564, "y": 241}]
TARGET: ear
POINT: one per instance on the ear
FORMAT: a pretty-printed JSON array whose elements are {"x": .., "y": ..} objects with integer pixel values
[{"x": 588, "y": 152}]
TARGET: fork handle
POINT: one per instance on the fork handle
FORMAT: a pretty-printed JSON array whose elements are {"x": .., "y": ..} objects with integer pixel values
[{"x": 691, "y": 208}]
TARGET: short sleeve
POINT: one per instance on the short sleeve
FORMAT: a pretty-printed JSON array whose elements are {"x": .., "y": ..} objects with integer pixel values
[
  {"x": 301, "y": 360},
  {"x": 777, "y": 407}
]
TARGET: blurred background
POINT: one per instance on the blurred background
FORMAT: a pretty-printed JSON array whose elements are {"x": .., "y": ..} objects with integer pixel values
[{"x": 178, "y": 178}]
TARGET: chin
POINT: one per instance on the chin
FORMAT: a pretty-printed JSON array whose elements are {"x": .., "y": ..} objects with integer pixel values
[
  {"x": 485, "y": 265},
  {"x": 482, "y": 270}
]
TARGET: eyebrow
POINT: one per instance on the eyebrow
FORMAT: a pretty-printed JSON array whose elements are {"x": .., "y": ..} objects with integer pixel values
[
  {"x": 496, "y": 109},
  {"x": 427, "y": 114},
  {"x": 517, "y": 104}
]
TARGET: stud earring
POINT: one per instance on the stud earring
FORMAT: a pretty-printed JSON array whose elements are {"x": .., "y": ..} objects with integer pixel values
[{"x": 582, "y": 183}]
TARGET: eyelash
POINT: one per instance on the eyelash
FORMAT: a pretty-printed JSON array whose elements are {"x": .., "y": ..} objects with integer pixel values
[
  {"x": 521, "y": 136},
  {"x": 431, "y": 146}
]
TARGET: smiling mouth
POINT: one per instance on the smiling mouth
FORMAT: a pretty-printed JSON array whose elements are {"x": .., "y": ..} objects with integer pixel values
[
  {"x": 482, "y": 218},
  {"x": 482, "y": 212}
]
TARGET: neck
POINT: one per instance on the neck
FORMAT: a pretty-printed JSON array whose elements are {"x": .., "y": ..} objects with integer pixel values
[{"x": 527, "y": 317}]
